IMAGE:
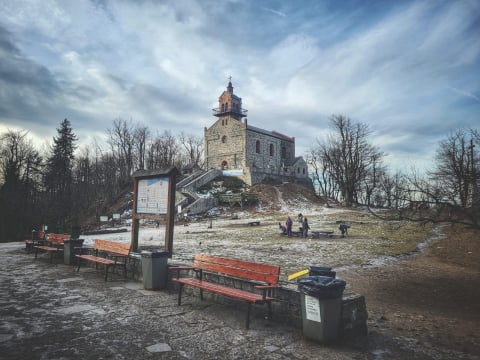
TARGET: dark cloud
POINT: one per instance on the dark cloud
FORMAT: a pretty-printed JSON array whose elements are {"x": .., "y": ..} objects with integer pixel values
[{"x": 26, "y": 86}]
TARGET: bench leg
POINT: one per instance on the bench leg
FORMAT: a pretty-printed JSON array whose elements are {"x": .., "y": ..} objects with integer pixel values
[
  {"x": 106, "y": 272},
  {"x": 269, "y": 304},
  {"x": 36, "y": 252},
  {"x": 247, "y": 324},
  {"x": 79, "y": 261},
  {"x": 201, "y": 294},
  {"x": 180, "y": 288}
]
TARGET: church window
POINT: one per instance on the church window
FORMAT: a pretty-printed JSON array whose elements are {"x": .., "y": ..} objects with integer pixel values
[
  {"x": 257, "y": 146},
  {"x": 272, "y": 150},
  {"x": 224, "y": 165},
  {"x": 224, "y": 139}
]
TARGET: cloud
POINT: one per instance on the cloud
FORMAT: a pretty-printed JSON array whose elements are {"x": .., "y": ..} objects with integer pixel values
[
  {"x": 464, "y": 93},
  {"x": 164, "y": 64}
]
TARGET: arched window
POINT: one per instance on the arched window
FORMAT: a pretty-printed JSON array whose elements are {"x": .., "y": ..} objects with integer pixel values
[
  {"x": 272, "y": 150},
  {"x": 257, "y": 146},
  {"x": 224, "y": 165},
  {"x": 224, "y": 139}
]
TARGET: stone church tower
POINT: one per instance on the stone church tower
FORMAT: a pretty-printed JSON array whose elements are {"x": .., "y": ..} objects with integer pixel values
[{"x": 247, "y": 152}]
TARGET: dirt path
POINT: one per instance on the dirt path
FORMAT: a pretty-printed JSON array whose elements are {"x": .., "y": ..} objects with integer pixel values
[{"x": 428, "y": 298}]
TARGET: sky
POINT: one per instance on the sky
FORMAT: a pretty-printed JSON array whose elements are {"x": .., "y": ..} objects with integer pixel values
[{"x": 410, "y": 70}]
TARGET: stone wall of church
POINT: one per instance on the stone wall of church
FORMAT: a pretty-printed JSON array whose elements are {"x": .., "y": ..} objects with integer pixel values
[
  {"x": 228, "y": 142},
  {"x": 269, "y": 157},
  {"x": 225, "y": 143}
]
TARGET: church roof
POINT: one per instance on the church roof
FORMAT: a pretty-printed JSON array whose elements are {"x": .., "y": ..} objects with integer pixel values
[{"x": 273, "y": 133}]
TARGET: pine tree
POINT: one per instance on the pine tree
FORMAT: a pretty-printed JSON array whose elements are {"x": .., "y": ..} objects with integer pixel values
[{"x": 59, "y": 177}]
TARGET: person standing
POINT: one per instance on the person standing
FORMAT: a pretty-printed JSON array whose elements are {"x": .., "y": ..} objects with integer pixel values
[
  {"x": 305, "y": 227},
  {"x": 288, "y": 225}
]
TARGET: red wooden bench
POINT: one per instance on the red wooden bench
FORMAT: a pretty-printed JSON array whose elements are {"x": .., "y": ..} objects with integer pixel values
[
  {"x": 264, "y": 276},
  {"x": 54, "y": 244},
  {"x": 38, "y": 238},
  {"x": 108, "y": 253}
]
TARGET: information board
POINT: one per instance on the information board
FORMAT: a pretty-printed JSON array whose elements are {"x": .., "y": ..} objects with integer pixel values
[{"x": 152, "y": 196}]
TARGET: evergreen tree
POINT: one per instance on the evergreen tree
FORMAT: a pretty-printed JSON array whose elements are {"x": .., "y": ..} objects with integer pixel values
[{"x": 59, "y": 177}]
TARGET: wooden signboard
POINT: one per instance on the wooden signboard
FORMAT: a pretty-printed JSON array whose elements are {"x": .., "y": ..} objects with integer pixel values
[{"x": 154, "y": 198}]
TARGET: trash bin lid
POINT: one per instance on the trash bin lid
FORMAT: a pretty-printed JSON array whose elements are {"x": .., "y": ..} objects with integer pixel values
[
  {"x": 319, "y": 268},
  {"x": 154, "y": 253},
  {"x": 321, "y": 286}
]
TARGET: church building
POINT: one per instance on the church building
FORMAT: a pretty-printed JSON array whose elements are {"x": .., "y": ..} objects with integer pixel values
[{"x": 248, "y": 152}]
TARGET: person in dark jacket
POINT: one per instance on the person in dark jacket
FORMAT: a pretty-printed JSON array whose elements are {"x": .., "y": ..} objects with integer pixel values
[
  {"x": 305, "y": 227},
  {"x": 288, "y": 225}
]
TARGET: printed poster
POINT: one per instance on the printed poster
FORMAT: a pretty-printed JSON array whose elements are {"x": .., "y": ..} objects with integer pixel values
[
  {"x": 312, "y": 308},
  {"x": 152, "y": 196}
]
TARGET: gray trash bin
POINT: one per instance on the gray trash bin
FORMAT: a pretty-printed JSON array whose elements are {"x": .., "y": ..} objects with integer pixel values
[
  {"x": 154, "y": 269},
  {"x": 321, "y": 302},
  {"x": 69, "y": 250}
]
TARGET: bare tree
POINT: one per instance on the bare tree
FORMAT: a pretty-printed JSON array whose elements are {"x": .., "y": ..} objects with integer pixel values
[
  {"x": 193, "y": 146},
  {"x": 348, "y": 157},
  {"x": 322, "y": 180},
  {"x": 20, "y": 185},
  {"x": 456, "y": 167},
  {"x": 121, "y": 140},
  {"x": 163, "y": 151},
  {"x": 140, "y": 136}
]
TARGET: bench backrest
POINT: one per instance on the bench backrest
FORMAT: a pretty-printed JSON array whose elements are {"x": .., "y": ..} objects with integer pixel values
[
  {"x": 58, "y": 238},
  {"x": 112, "y": 246},
  {"x": 239, "y": 268}
]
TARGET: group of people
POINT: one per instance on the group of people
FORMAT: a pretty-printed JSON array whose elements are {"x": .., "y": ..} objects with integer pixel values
[
  {"x": 302, "y": 220},
  {"x": 287, "y": 229}
]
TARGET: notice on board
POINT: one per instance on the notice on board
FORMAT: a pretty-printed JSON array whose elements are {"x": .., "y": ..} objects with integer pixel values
[
  {"x": 152, "y": 196},
  {"x": 312, "y": 308}
]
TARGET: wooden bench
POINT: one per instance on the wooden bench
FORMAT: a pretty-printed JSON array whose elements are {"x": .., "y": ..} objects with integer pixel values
[
  {"x": 265, "y": 278},
  {"x": 54, "y": 244},
  {"x": 108, "y": 253},
  {"x": 38, "y": 238},
  {"x": 317, "y": 234}
]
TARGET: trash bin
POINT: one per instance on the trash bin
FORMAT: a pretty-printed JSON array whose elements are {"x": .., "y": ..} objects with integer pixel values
[
  {"x": 154, "y": 269},
  {"x": 69, "y": 250},
  {"x": 321, "y": 271},
  {"x": 321, "y": 302}
]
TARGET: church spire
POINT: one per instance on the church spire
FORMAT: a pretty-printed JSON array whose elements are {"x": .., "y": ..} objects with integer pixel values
[
  {"x": 230, "y": 87},
  {"x": 230, "y": 104}
]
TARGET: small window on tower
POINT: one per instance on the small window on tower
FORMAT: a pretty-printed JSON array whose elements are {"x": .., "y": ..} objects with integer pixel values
[
  {"x": 272, "y": 150},
  {"x": 224, "y": 139},
  {"x": 257, "y": 147}
]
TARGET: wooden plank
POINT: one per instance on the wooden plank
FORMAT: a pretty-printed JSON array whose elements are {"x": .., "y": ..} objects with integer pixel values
[
  {"x": 112, "y": 246},
  {"x": 238, "y": 268},
  {"x": 224, "y": 290}
]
